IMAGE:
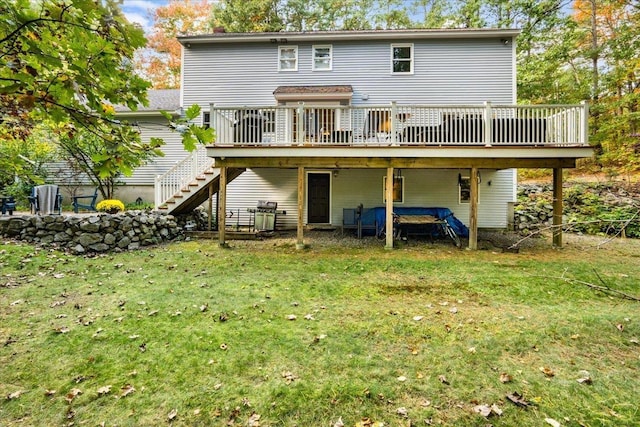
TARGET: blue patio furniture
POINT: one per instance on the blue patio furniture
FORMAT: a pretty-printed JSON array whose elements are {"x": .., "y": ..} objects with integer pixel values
[
  {"x": 46, "y": 200},
  {"x": 89, "y": 205},
  {"x": 8, "y": 205}
]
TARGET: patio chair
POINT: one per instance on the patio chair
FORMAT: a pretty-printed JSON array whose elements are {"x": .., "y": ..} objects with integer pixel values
[
  {"x": 8, "y": 205},
  {"x": 89, "y": 205},
  {"x": 46, "y": 200}
]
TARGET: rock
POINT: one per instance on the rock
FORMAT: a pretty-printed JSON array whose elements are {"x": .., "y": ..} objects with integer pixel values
[{"x": 86, "y": 239}]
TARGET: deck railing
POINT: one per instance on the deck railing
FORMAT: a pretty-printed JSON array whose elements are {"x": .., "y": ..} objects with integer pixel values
[
  {"x": 181, "y": 175},
  {"x": 395, "y": 124}
]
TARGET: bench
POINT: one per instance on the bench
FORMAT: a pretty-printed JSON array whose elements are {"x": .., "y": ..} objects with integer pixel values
[{"x": 89, "y": 206}]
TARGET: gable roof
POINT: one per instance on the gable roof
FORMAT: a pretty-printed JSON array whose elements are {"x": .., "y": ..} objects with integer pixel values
[
  {"x": 159, "y": 99},
  {"x": 328, "y": 36}
]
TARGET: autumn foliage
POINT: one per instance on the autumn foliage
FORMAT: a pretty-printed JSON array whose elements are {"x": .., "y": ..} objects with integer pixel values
[{"x": 161, "y": 61}]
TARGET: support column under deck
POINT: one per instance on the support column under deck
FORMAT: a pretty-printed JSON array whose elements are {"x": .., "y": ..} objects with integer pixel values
[
  {"x": 557, "y": 207},
  {"x": 222, "y": 207},
  {"x": 473, "y": 210},
  {"x": 301, "y": 197},
  {"x": 389, "y": 211},
  {"x": 210, "y": 207}
]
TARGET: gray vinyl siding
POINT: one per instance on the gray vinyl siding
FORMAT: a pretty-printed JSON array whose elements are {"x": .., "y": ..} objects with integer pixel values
[
  {"x": 455, "y": 71},
  {"x": 351, "y": 187},
  {"x": 173, "y": 150},
  {"x": 446, "y": 71}
]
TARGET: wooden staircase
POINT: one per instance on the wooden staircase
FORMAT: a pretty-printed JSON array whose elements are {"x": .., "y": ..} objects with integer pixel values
[{"x": 188, "y": 184}]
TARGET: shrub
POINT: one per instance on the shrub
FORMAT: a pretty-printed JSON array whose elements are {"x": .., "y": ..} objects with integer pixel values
[{"x": 110, "y": 206}]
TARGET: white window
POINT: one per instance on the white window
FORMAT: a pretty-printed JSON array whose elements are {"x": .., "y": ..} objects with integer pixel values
[
  {"x": 464, "y": 189},
  {"x": 402, "y": 58},
  {"x": 322, "y": 58},
  {"x": 288, "y": 58},
  {"x": 398, "y": 189}
]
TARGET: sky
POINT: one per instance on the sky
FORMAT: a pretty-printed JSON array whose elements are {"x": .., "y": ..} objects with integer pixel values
[{"x": 141, "y": 11}]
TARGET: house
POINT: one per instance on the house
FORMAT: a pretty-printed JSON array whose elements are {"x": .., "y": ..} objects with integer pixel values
[
  {"x": 324, "y": 121},
  {"x": 151, "y": 123}
]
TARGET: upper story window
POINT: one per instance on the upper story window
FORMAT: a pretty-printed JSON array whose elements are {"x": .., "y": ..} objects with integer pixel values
[
  {"x": 288, "y": 58},
  {"x": 402, "y": 58},
  {"x": 322, "y": 57}
]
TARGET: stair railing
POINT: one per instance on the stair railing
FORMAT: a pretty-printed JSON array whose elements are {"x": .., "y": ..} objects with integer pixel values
[{"x": 181, "y": 175}]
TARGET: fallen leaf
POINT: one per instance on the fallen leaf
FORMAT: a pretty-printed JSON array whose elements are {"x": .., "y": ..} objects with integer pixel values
[
  {"x": 547, "y": 371},
  {"x": 402, "y": 411},
  {"x": 483, "y": 410},
  {"x": 127, "y": 390},
  {"x": 338, "y": 423},
  {"x": 58, "y": 275},
  {"x": 292, "y": 317},
  {"x": 367, "y": 422},
  {"x": 49, "y": 393},
  {"x": 505, "y": 378},
  {"x": 552, "y": 422},
  {"x": 496, "y": 410},
  {"x": 172, "y": 415},
  {"x": 585, "y": 378},
  {"x": 620, "y": 327},
  {"x": 72, "y": 394},
  {"x": 16, "y": 394},
  {"x": 443, "y": 379},
  {"x": 104, "y": 390},
  {"x": 289, "y": 377},
  {"x": 254, "y": 420},
  {"x": 518, "y": 400},
  {"x": 309, "y": 317},
  {"x": 472, "y": 350},
  {"x": 402, "y": 378},
  {"x": 223, "y": 346},
  {"x": 453, "y": 310},
  {"x": 196, "y": 411},
  {"x": 204, "y": 307},
  {"x": 143, "y": 347},
  {"x": 418, "y": 318},
  {"x": 217, "y": 386},
  {"x": 153, "y": 312},
  {"x": 16, "y": 302},
  {"x": 58, "y": 303}
]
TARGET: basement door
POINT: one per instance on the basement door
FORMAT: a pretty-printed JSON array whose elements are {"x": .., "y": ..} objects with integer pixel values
[{"x": 318, "y": 198}]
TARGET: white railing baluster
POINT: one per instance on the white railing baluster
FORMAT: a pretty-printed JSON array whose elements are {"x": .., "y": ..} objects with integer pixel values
[
  {"x": 181, "y": 175},
  {"x": 418, "y": 125}
]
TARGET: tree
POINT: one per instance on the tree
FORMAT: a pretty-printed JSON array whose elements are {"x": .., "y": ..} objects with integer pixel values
[
  {"x": 160, "y": 61},
  {"x": 67, "y": 63},
  {"x": 239, "y": 16},
  {"x": 104, "y": 162}
]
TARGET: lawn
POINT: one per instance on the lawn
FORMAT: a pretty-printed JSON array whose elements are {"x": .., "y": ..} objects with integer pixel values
[{"x": 344, "y": 333}]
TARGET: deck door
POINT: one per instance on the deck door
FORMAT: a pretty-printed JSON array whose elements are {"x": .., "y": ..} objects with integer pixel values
[{"x": 318, "y": 198}]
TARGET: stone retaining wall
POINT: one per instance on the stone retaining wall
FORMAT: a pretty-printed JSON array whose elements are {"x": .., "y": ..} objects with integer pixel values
[{"x": 100, "y": 232}]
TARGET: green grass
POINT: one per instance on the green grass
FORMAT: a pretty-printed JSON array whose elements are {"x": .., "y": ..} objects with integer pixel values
[{"x": 218, "y": 366}]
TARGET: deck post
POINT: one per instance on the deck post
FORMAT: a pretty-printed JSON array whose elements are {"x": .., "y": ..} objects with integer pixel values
[
  {"x": 301, "y": 197},
  {"x": 473, "y": 210},
  {"x": 557, "y": 207},
  {"x": 389, "y": 211},
  {"x": 210, "y": 206},
  {"x": 222, "y": 207}
]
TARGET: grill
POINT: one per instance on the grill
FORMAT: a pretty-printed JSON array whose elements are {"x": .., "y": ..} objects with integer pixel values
[{"x": 265, "y": 215}]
